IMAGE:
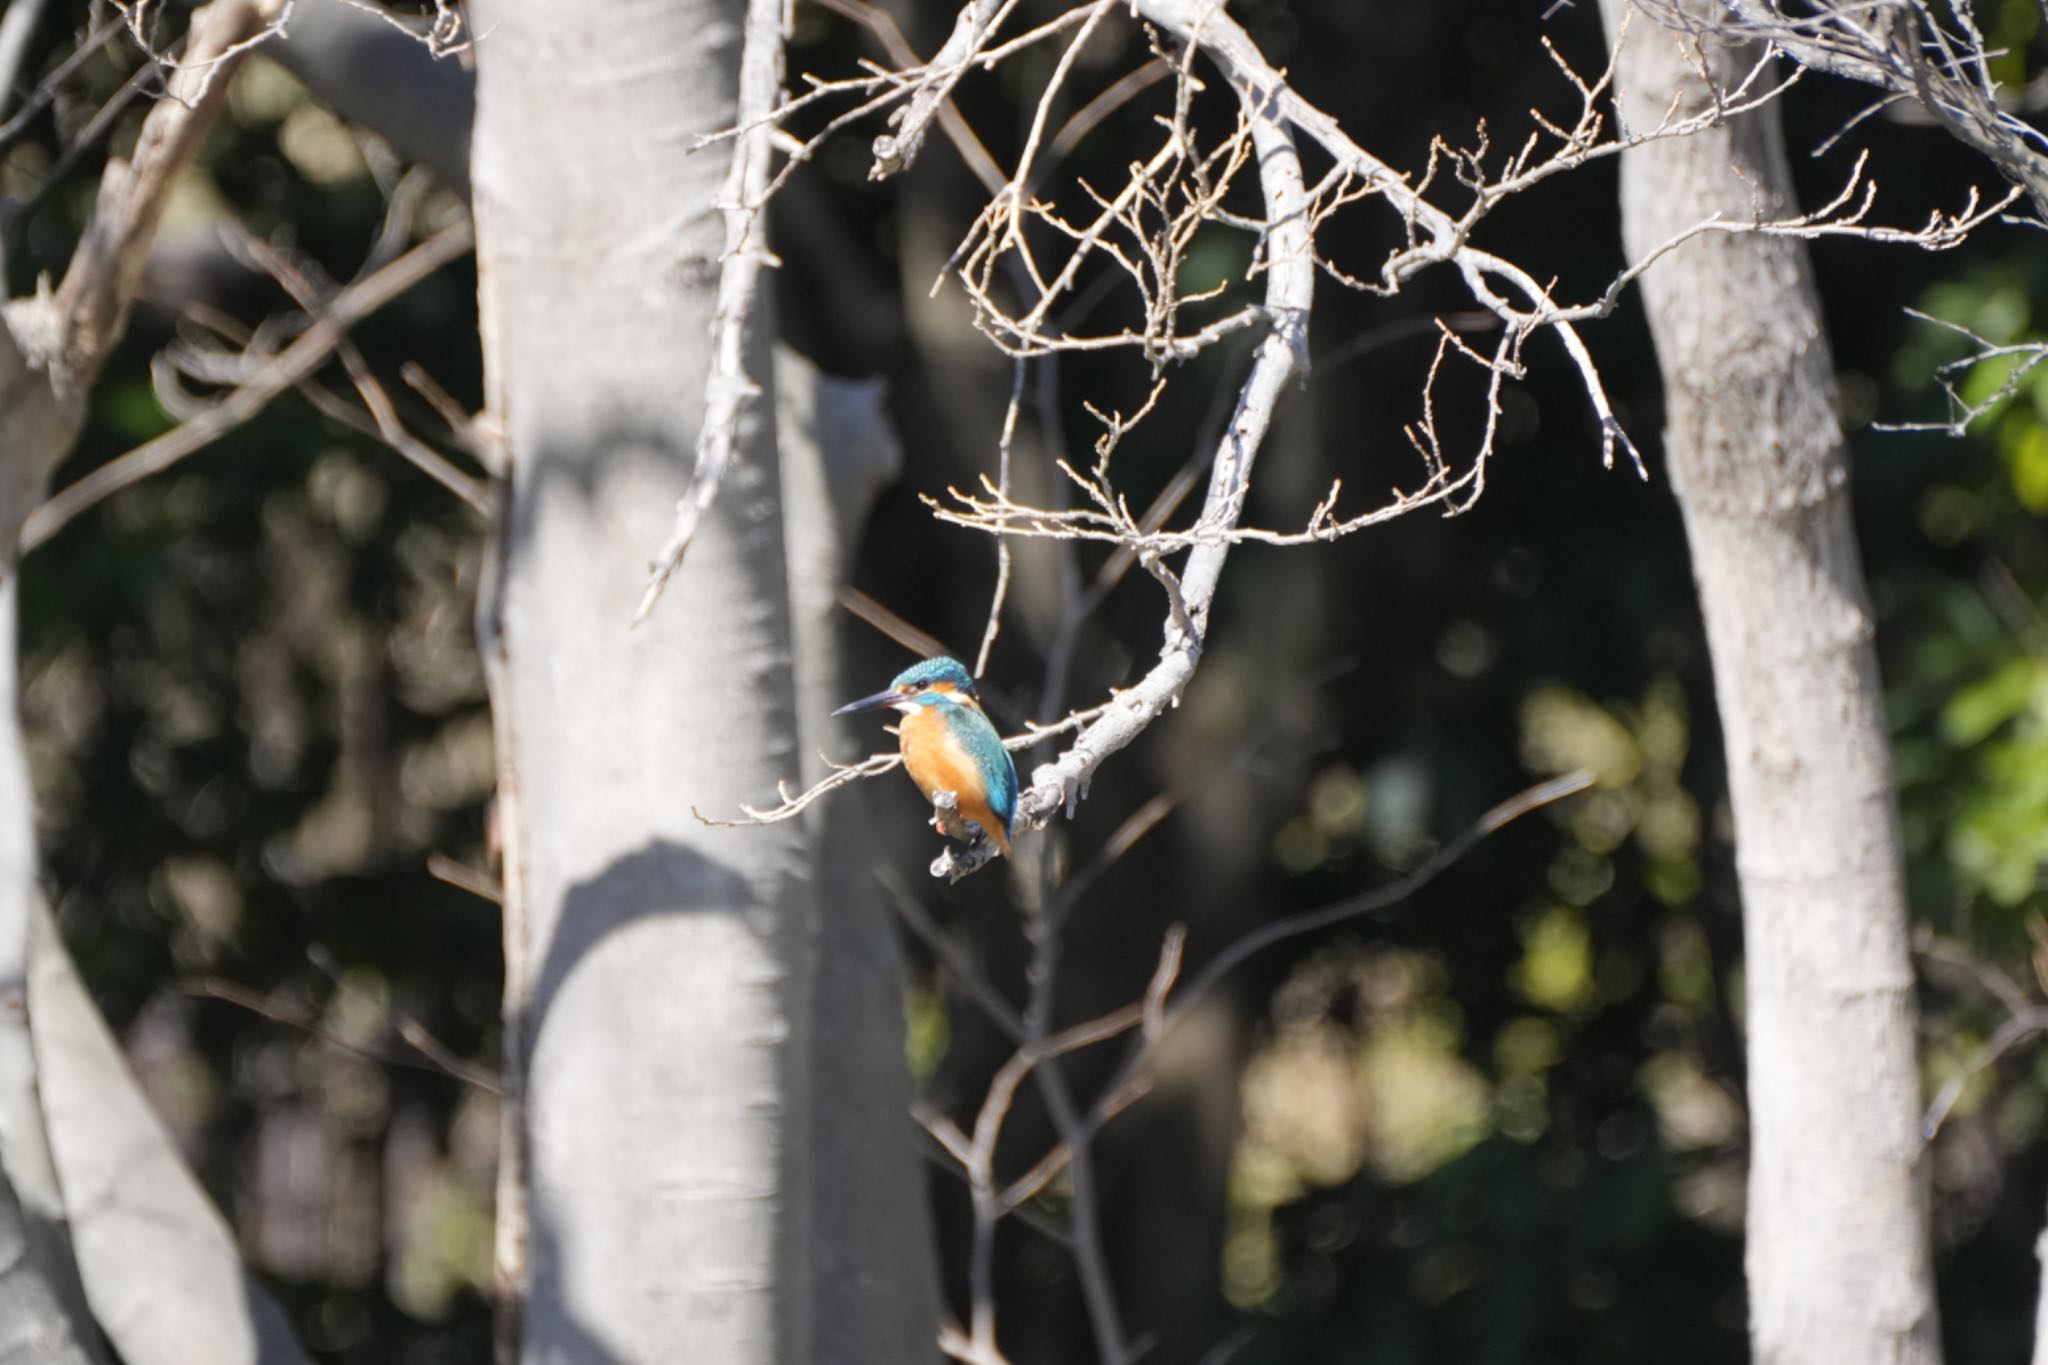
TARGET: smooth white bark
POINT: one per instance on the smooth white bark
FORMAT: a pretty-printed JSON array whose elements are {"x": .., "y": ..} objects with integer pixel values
[
  {"x": 1837, "y": 1256},
  {"x": 43, "y": 1317},
  {"x": 162, "y": 1271},
  {"x": 657, "y": 968},
  {"x": 36, "y": 1326}
]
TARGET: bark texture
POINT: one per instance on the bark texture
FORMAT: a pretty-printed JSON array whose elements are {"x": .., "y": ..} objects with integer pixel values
[
  {"x": 874, "y": 1279},
  {"x": 36, "y": 1326},
  {"x": 657, "y": 969},
  {"x": 1837, "y": 1258},
  {"x": 162, "y": 1271},
  {"x": 43, "y": 1316}
]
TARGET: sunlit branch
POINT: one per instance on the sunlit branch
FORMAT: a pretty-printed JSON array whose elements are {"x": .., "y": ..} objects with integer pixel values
[{"x": 729, "y": 388}]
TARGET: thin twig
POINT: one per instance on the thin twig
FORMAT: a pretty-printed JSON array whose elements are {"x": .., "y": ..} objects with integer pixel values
[
  {"x": 895, "y": 152},
  {"x": 434, "y": 1056},
  {"x": 730, "y": 387},
  {"x": 794, "y": 803},
  {"x": 51, "y": 85},
  {"x": 477, "y": 882},
  {"x": 384, "y": 414},
  {"x": 1002, "y": 588},
  {"x": 969, "y": 978},
  {"x": 92, "y": 302},
  {"x": 294, "y": 363},
  {"x": 1130, "y": 1080},
  {"x": 883, "y": 25}
]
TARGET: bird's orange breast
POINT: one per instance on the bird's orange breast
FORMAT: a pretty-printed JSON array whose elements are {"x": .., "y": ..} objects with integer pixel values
[{"x": 937, "y": 762}]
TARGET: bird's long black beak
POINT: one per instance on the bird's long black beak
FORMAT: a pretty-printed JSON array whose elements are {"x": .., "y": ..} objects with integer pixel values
[{"x": 875, "y": 703}]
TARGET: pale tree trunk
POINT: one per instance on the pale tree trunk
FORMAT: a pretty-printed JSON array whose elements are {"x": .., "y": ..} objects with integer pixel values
[
  {"x": 1837, "y": 1258},
  {"x": 2040, "y": 1356},
  {"x": 43, "y": 1316},
  {"x": 874, "y": 1284},
  {"x": 657, "y": 970},
  {"x": 36, "y": 1326},
  {"x": 106, "y": 1239}
]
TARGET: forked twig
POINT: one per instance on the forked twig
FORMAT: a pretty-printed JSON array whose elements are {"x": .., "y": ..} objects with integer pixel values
[{"x": 294, "y": 363}]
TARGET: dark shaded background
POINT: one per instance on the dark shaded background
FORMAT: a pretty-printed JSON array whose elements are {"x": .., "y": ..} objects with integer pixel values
[{"x": 1501, "y": 1124}]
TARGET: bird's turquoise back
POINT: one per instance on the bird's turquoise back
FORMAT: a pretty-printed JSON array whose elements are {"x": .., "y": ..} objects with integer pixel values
[{"x": 981, "y": 741}]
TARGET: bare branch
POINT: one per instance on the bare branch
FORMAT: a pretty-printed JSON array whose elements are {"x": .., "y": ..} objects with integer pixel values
[
  {"x": 1902, "y": 48},
  {"x": 1025, "y": 258},
  {"x": 1160, "y": 1017},
  {"x": 895, "y": 153},
  {"x": 443, "y": 34},
  {"x": 2026, "y": 1017},
  {"x": 463, "y": 877},
  {"x": 294, "y": 363},
  {"x": 1290, "y": 288},
  {"x": 312, "y": 296},
  {"x": 433, "y": 1056},
  {"x": 55, "y": 343},
  {"x": 2020, "y": 359},
  {"x": 92, "y": 302},
  {"x": 794, "y": 803},
  {"x": 730, "y": 388},
  {"x": 1002, "y": 588},
  {"x": 40, "y": 99},
  {"x": 969, "y": 977}
]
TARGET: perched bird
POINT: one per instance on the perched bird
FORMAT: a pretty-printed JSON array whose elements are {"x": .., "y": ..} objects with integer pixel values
[{"x": 948, "y": 743}]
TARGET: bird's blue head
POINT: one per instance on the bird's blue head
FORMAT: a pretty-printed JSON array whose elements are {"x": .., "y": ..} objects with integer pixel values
[{"x": 934, "y": 682}]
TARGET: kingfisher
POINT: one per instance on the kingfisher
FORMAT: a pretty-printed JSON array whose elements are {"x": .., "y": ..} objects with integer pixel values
[{"x": 949, "y": 744}]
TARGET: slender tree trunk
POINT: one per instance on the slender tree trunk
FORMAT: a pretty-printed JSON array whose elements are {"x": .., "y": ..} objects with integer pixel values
[
  {"x": 1838, "y": 1260},
  {"x": 36, "y": 1325},
  {"x": 43, "y": 1316},
  {"x": 874, "y": 1278},
  {"x": 657, "y": 969}
]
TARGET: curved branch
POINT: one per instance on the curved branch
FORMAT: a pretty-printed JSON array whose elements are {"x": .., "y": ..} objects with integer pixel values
[
  {"x": 294, "y": 363},
  {"x": 1281, "y": 356}
]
